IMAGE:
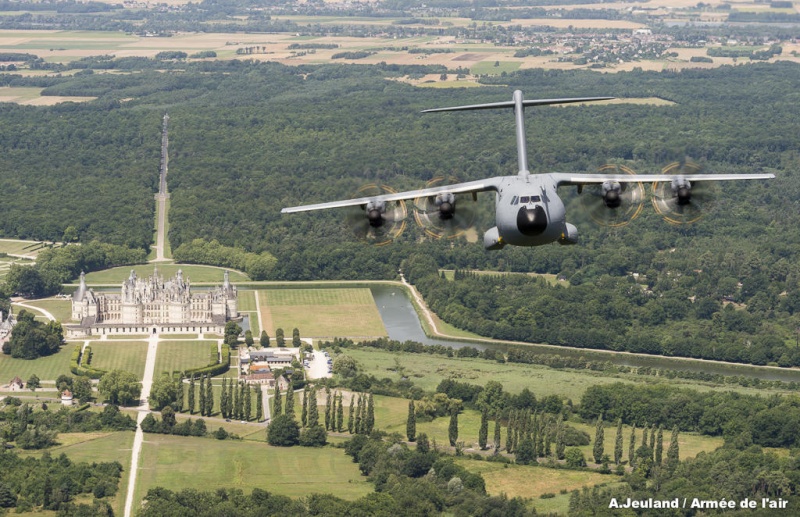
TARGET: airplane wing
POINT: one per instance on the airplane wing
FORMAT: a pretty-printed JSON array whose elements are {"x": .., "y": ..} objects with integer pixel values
[
  {"x": 458, "y": 188},
  {"x": 587, "y": 179}
]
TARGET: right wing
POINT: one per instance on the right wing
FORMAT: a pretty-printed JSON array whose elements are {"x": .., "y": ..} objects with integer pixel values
[
  {"x": 587, "y": 179},
  {"x": 458, "y": 188}
]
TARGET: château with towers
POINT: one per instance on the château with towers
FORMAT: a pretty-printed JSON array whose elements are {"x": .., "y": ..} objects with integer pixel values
[{"x": 152, "y": 305}]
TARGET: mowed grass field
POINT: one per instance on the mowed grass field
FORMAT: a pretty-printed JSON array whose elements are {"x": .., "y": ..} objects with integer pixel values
[
  {"x": 196, "y": 274},
  {"x": 46, "y": 368},
  {"x": 16, "y": 247},
  {"x": 427, "y": 371},
  {"x": 530, "y": 481},
  {"x": 321, "y": 313},
  {"x": 20, "y": 247},
  {"x": 206, "y": 464},
  {"x": 182, "y": 355},
  {"x": 249, "y": 307},
  {"x": 120, "y": 355},
  {"x": 61, "y": 309}
]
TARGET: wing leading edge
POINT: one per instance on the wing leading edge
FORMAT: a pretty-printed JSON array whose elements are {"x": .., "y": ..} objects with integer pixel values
[
  {"x": 587, "y": 179},
  {"x": 458, "y": 188}
]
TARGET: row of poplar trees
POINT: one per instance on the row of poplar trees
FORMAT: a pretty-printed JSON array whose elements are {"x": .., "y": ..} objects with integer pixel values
[
  {"x": 236, "y": 399},
  {"x": 361, "y": 414},
  {"x": 529, "y": 436}
]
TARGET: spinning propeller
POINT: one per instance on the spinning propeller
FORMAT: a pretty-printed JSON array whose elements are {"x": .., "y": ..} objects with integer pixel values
[
  {"x": 613, "y": 203},
  {"x": 680, "y": 201},
  {"x": 384, "y": 221},
  {"x": 437, "y": 215}
]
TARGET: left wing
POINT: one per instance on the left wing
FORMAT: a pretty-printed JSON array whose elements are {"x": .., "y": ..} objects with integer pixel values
[
  {"x": 587, "y": 179},
  {"x": 458, "y": 188}
]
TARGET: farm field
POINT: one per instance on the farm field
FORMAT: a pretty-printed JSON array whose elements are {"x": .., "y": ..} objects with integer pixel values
[
  {"x": 321, "y": 313},
  {"x": 196, "y": 274},
  {"x": 30, "y": 96},
  {"x": 476, "y": 57},
  {"x": 206, "y": 464}
]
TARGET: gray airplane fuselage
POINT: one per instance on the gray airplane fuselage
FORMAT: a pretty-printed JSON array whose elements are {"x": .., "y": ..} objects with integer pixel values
[{"x": 529, "y": 212}]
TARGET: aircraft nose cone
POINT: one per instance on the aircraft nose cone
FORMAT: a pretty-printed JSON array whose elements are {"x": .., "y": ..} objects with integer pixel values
[{"x": 532, "y": 221}]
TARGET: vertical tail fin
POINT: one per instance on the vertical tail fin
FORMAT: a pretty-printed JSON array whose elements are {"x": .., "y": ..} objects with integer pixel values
[{"x": 518, "y": 103}]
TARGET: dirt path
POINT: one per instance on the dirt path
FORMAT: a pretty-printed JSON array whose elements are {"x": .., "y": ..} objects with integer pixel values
[{"x": 143, "y": 409}]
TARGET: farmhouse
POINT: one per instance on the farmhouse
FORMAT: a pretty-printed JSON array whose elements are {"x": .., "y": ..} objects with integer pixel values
[{"x": 152, "y": 305}]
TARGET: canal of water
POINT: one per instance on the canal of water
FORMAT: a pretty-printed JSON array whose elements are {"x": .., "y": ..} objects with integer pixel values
[{"x": 402, "y": 323}]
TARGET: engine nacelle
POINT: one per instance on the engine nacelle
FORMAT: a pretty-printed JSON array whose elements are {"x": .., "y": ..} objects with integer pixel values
[
  {"x": 446, "y": 203},
  {"x": 569, "y": 236},
  {"x": 612, "y": 194},
  {"x": 684, "y": 194},
  {"x": 375, "y": 214}
]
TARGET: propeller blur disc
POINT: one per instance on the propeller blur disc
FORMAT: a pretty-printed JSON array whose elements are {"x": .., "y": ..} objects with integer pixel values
[
  {"x": 445, "y": 216},
  {"x": 613, "y": 204},
  {"x": 381, "y": 223},
  {"x": 682, "y": 201}
]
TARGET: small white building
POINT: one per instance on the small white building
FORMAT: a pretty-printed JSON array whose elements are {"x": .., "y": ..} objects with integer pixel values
[{"x": 66, "y": 398}]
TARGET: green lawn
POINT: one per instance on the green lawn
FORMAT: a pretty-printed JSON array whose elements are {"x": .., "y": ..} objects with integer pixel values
[
  {"x": 531, "y": 481},
  {"x": 182, "y": 355},
  {"x": 46, "y": 368},
  {"x": 247, "y": 301},
  {"x": 206, "y": 464},
  {"x": 321, "y": 312},
  {"x": 20, "y": 247},
  {"x": 689, "y": 444},
  {"x": 120, "y": 355},
  {"x": 61, "y": 309},
  {"x": 427, "y": 371},
  {"x": 205, "y": 274}
]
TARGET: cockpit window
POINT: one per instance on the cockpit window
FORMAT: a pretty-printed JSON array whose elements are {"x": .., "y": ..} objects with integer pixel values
[
  {"x": 524, "y": 199},
  {"x": 535, "y": 199},
  {"x": 514, "y": 200}
]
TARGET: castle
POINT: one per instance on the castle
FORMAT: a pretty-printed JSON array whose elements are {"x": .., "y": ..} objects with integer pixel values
[{"x": 152, "y": 305}]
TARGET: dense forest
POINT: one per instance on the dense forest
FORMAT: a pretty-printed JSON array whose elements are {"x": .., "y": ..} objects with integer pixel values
[{"x": 248, "y": 138}]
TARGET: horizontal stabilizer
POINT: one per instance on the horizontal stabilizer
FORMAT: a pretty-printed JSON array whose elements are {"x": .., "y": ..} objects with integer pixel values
[{"x": 511, "y": 104}]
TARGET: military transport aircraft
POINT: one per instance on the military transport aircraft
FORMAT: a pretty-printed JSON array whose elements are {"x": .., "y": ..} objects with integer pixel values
[{"x": 528, "y": 210}]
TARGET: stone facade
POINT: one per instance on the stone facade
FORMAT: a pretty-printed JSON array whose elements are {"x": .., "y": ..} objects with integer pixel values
[
  {"x": 150, "y": 305},
  {"x": 6, "y": 325}
]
